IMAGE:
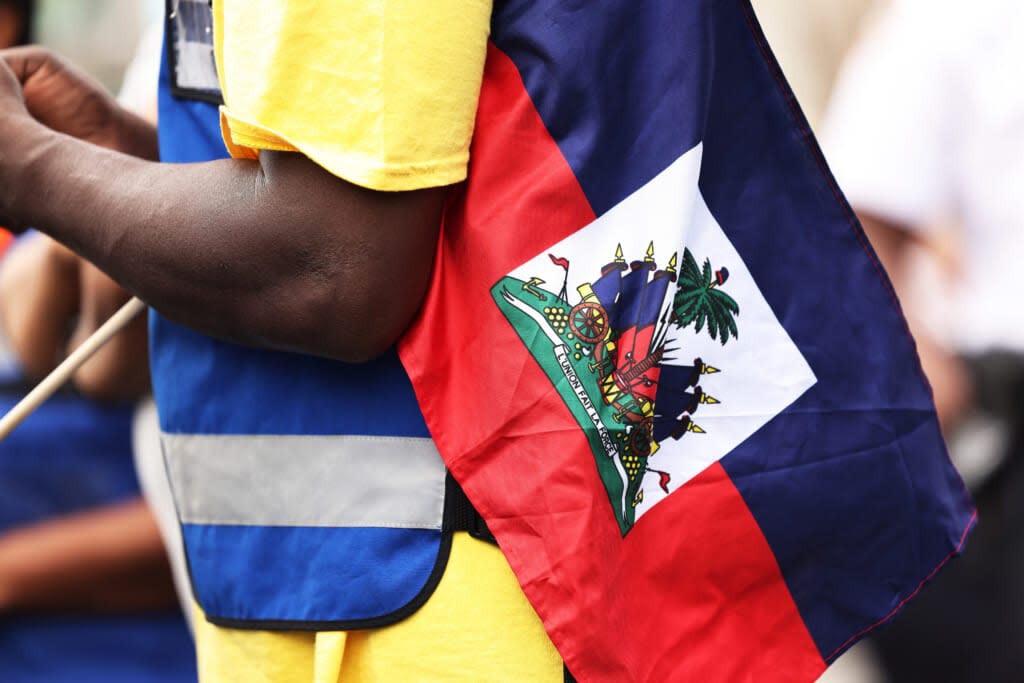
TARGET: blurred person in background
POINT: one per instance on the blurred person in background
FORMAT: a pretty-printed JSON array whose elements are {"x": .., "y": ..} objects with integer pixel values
[
  {"x": 99, "y": 35},
  {"x": 810, "y": 39},
  {"x": 84, "y": 582},
  {"x": 83, "y": 571},
  {"x": 926, "y": 129}
]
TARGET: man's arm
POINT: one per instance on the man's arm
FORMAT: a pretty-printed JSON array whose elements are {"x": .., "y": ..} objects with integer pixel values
[{"x": 275, "y": 253}]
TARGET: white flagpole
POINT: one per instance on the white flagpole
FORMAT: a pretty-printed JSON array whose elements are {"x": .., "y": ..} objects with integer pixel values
[{"x": 63, "y": 372}]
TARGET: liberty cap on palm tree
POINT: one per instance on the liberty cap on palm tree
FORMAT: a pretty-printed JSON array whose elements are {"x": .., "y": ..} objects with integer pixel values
[{"x": 698, "y": 300}]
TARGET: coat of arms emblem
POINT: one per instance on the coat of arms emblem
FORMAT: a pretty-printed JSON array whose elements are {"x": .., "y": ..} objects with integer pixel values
[{"x": 608, "y": 353}]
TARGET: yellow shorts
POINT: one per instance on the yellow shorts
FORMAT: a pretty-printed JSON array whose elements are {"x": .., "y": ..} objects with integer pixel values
[{"x": 477, "y": 626}]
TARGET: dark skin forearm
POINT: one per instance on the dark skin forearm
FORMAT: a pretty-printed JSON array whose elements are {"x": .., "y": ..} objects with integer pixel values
[
  {"x": 241, "y": 250},
  {"x": 275, "y": 253}
]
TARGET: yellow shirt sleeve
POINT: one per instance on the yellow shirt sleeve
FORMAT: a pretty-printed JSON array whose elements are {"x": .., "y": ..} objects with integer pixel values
[{"x": 381, "y": 93}]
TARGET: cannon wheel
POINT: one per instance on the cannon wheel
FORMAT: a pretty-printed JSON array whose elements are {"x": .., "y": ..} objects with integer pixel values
[
  {"x": 588, "y": 322},
  {"x": 640, "y": 440}
]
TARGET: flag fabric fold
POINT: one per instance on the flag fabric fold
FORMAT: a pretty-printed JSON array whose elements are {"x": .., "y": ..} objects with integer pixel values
[{"x": 663, "y": 362}]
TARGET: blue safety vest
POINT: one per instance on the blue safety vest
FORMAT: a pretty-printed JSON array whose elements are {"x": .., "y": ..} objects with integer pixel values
[{"x": 309, "y": 492}]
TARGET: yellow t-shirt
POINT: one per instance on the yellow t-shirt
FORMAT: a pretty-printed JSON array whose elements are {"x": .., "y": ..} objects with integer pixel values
[{"x": 383, "y": 94}]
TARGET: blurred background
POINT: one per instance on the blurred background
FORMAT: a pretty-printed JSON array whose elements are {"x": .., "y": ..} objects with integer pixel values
[
  {"x": 919, "y": 108},
  {"x": 100, "y": 35}
]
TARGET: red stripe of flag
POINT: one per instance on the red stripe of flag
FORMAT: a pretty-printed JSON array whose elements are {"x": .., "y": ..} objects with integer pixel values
[{"x": 693, "y": 592}]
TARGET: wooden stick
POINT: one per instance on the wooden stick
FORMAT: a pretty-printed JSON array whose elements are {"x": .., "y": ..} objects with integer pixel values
[{"x": 63, "y": 372}]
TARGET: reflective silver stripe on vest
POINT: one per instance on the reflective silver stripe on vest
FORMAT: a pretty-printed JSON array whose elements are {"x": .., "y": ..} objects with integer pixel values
[{"x": 294, "y": 480}]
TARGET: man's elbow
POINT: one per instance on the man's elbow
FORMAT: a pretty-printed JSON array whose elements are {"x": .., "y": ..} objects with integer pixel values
[
  {"x": 366, "y": 338},
  {"x": 366, "y": 332},
  {"x": 345, "y": 323}
]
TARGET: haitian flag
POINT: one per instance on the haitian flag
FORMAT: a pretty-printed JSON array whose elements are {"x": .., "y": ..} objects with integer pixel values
[{"x": 663, "y": 362}]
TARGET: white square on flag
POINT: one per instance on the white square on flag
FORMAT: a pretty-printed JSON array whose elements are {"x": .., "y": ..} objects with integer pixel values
[{"x": 760, "y": 371}]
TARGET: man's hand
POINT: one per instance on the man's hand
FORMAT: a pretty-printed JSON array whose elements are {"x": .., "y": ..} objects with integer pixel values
[
  {"x": 37, "y": 87},
  {"x": 69, "y": 101}
]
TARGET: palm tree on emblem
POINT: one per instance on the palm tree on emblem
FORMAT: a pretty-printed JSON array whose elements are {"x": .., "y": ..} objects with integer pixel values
[{"x": 698, "y": 300}]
